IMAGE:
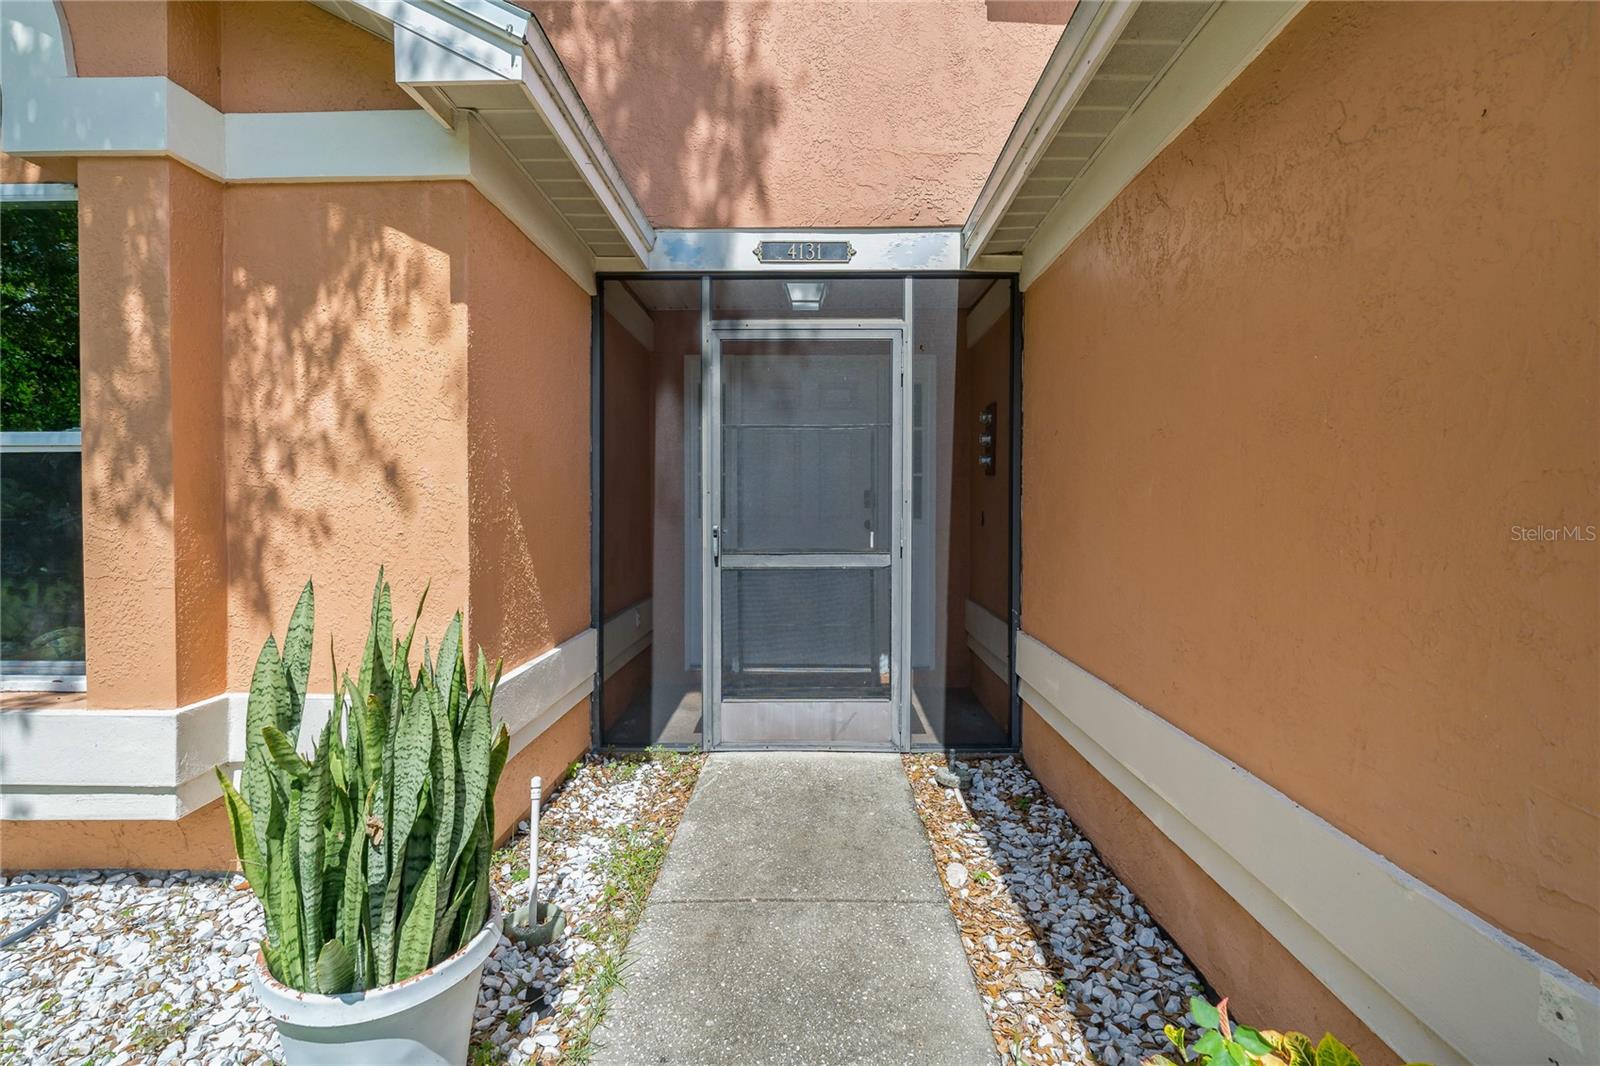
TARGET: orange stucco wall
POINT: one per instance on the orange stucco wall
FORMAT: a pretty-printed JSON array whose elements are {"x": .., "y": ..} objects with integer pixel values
[
  {"x": 17, "y": 171},
  {"x": 238, "y": 55},
  {"x": 199, "y": 841},
  {"x": 1288, "y": 399},
  {"x": 527, "y": 442},
  {"x": 346, "y": 401},
  {"x": 800, "y": 113},
  {"x": 130, "y": 38},
  {"x": 150, "y": 358},
  {"x": 279, "y": 55}
]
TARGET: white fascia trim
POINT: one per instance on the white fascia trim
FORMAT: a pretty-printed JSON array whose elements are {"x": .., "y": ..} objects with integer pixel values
[
  {"x": 342, "y": 146},
  {"x": 628, "y": 634},
  {"x": 1229, "y": 41},
  {"x": 631, "y": 316},
  {"x": 993, "y": 308},
  {"x": 139, "y": 116},
  {"x": 1091, "y": 31},
  {"x": 79, "y": 763},
  {"x": 988, "y": 639},
  {"x": 1430, "y": 978},
  {"x": 557, "y": 99},
  {"x": 439, "y": 43}
]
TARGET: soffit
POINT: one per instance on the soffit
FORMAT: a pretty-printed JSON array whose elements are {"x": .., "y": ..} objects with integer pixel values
[
  {"x": 491, "y": 61},
  {"x": 1116, "y": 76}
]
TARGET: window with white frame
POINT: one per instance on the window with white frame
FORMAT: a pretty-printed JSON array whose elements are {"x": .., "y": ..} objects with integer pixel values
[{"x": 41, "y": 498}]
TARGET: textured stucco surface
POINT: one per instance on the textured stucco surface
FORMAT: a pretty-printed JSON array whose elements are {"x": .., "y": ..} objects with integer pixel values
[
  {"x": 199, "y": 841},
  {"x": 547, "y": 758},
  {"x": 199, "y": 526},
  {"x": 128, "y": 38},
  {"x": 527, "y": 440},
  {"x": 291, "y": 56},
  {"x": 149, "y": 253},
  {"x": 17, "y": 171},
  {"x": 801, "y": 113},
  {"x": 1287, "y": 399},
  {"x": 1265, "y": 985},
  {"x": 346, "y": 408},
  {"x": 239, "y": 55}
]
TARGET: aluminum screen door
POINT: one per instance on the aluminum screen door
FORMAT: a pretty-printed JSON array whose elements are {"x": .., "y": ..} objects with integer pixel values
[{"x": 805, "y": 453}]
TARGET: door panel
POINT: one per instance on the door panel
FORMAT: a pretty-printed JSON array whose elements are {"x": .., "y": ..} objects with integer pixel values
[{"x": 806, "y": 512}]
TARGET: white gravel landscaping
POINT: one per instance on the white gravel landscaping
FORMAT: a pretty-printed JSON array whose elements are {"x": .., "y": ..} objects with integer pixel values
[
  {"x": 1071, "y": 967},
  {"x": 154, "y": 968}
]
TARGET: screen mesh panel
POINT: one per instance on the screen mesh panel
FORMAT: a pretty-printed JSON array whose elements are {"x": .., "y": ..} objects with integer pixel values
[
  {"x": 806, "y": 633},
  {"x": 807, "y": 447}
]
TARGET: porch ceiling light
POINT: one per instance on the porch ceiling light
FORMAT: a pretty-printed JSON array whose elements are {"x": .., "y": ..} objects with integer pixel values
[{"x": 806, "y": 295}]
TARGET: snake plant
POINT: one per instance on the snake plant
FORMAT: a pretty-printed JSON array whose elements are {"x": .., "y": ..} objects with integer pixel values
[{"x": 370, "y": 856}]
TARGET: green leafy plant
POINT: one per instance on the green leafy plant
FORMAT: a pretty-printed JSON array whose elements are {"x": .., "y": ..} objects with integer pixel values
[
  {"x": 371, "y": 857},
  {"x": 1224, "y": 1042}
]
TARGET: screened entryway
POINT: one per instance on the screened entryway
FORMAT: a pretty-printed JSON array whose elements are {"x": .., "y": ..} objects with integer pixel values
[{"x": 807, "y": 507}]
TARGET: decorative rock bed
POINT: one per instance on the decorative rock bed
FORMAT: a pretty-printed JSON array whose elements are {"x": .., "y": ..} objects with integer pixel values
[
  {"x": 153, "y": 968},
  {"x": 1070, "y": 966}
]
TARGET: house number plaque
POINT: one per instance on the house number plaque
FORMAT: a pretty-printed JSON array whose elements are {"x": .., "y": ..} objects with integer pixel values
[{"x": 805, "y": 251}]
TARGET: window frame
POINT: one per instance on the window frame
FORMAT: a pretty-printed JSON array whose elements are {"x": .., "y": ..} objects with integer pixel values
[{"x": 25, "y": 675}]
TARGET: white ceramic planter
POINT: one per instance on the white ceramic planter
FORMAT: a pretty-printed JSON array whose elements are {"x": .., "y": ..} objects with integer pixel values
[{"x": 424, "y": 1020}]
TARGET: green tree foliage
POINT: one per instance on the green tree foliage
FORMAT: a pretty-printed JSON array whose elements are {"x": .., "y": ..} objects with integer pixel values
[{"x": 38, "y": 317}]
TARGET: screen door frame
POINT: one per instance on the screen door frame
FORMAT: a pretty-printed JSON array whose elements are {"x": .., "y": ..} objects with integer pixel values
[{"x": 895, "y": 331}]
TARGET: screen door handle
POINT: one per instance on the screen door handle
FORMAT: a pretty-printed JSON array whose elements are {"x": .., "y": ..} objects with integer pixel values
[{"x": 716, "y": 546}]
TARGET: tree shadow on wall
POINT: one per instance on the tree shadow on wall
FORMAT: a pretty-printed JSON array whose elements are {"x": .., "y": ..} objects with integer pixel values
[
  {"x": 329, "y": 415},
  {"x": 686, "y": 108}
]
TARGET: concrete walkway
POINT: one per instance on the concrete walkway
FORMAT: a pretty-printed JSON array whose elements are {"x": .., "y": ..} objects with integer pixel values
[{"x": 798, "y": 919}]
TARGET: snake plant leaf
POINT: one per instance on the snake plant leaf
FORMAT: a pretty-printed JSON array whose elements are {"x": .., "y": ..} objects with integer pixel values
[
  {"x": 274, "y": 967},
  {"x": 336, "y": 969},
  {"x": 413, "y": 747},
  {"x": 353, "y": 894},
  {"x": 451, "y": 670},
  {"x": 416, "y": 931},
  {"x": 442, "y": 784},
  {"x": 444, "y": 942},
  {"x": 478, "y": 901},
  {"x": 313, "y": 809},
  {"x": 267, "y": 694},
  {"x": 497, "y": 763},
  {"x": 242, "y": 823},
  {"x": 413, "y": 740},
  {"x": 297, "y": 659},
  {"x": 472, "y": 750},
  {"x": 280, "y": 749},
  {"x": 286, "y": 904},
  {"x": 402, "y": 659}
]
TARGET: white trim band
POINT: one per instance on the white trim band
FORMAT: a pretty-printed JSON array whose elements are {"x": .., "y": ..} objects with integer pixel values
[
  {"x": 1429, "y": 977},
  {"x": 80, "y": 763},
  {"x": 153, "y": 116},
  {"x": 987, "y": 637},
  {"x": 628, "y": 634}
]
